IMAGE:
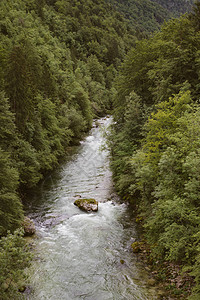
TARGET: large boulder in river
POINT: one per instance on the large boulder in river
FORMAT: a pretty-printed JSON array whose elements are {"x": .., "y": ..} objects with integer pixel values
[
  {"x": 29, "y": 226},
  {"x": 87, "y": 204}
]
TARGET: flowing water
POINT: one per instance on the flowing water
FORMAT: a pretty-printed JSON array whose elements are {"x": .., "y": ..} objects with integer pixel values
[{"x": 84, "y": 255}]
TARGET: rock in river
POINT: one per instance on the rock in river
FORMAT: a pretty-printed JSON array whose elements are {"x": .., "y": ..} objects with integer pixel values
[
  {"x": 29, "y": 226},
  {"x": 87, "y": 204}
]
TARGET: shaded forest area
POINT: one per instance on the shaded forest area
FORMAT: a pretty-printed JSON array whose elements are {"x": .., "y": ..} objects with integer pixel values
[
  {"x": 58, "y": 64},
  {"x": 147, "y": 16}
]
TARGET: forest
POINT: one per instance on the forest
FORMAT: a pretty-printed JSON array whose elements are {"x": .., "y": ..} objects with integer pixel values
[
  {"x": 63, "y": 63},
  {"x": 155, "y": 140},
  {"x": 146, "y": 16}
]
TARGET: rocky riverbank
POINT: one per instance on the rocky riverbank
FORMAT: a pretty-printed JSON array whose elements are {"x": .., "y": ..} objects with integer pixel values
[{"x": 169, "y": 278}]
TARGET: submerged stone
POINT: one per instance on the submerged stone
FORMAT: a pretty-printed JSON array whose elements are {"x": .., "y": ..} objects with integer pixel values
[{"x": 87, "y": 204}]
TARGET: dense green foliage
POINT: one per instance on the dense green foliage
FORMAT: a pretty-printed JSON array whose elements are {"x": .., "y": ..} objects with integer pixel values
[
  {"x": 14, "y": 258},
  {"x": 155, "y": 140},
  {"x": 146, "y": 16},
  {"x": 58, "y": 60},
  {"x": 176, "y": 6}
]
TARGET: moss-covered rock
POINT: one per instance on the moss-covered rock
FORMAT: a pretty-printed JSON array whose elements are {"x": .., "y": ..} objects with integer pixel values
[
  {"x": 22, "y": 288},
  {"x": 136, "y": 247},
  {"x": 29, "y": 227},
  {"x": 87, "y": 204}
]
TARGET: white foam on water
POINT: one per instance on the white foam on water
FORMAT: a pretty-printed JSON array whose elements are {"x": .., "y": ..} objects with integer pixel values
[{"x": 79, "y": 256}]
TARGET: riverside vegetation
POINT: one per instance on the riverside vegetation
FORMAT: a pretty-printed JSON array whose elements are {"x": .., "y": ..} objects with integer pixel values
[
  {"x": 155, "y": 142},
  {"x": 58, "y": 62}
]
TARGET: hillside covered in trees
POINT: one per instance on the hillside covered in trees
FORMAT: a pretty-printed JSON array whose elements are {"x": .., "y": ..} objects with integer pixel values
[
  {"x": 155, "y": 141},
  {"x": 58, "y": 63},
  {"x": 58, "y": 60},
  {"x": 176, "y": 6},
  {"x": 146, "y": 16}
]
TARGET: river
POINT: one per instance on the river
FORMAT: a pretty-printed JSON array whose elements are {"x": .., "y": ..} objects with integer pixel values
[{"x": 84, "y": 255}]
